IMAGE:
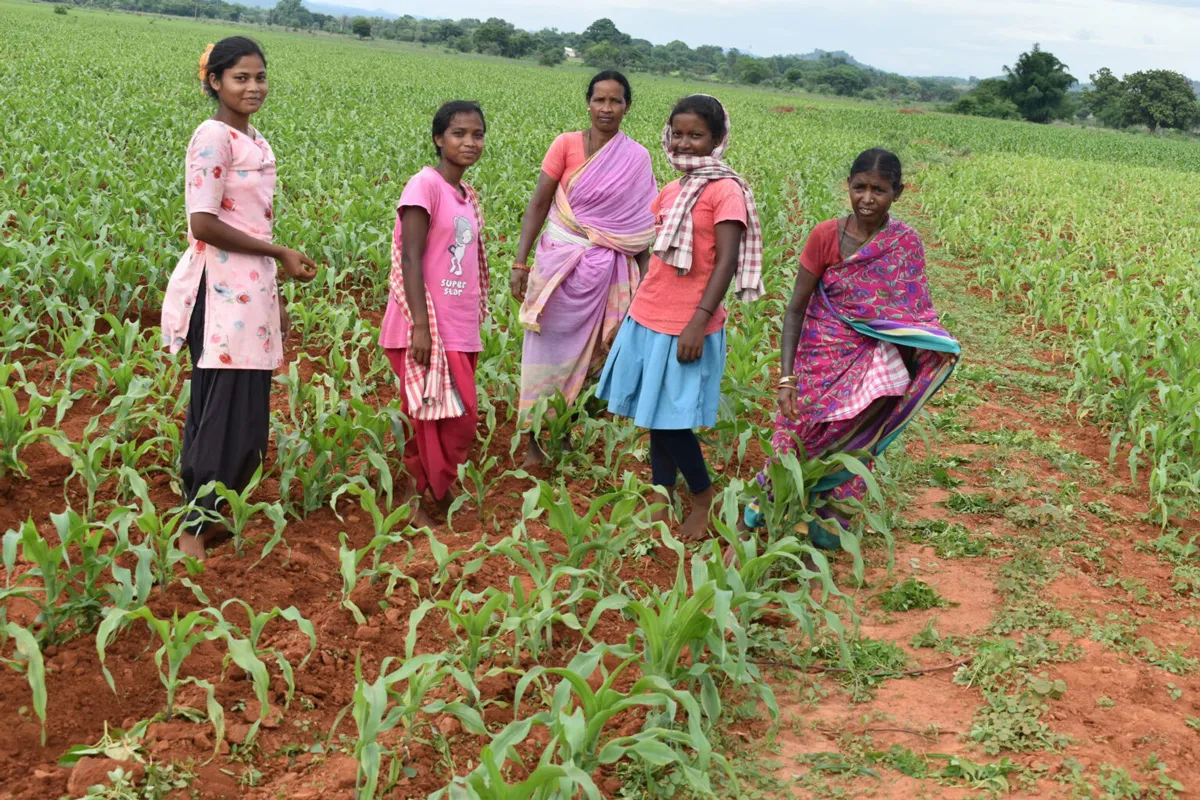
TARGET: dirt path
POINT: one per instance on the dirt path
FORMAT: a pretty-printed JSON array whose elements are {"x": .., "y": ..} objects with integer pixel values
[{"x": 1049, "y": 573}]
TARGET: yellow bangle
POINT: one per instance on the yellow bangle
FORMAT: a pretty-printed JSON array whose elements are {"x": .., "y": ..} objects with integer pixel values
[{"x": 522, "y": 267}]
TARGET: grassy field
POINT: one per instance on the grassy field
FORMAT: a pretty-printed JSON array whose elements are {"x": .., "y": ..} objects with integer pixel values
[{"x": 1015, "y": 620}]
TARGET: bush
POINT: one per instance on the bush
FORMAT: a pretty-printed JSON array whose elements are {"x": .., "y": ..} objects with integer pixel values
[
  {"x": 552, "y": 56},
  {"x": 60, "y": 10}
]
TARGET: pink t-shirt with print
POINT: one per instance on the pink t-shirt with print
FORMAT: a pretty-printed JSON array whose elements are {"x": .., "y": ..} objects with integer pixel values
[
  {"x": 231, "y": 175},
  {"x": 451, "y": 265}
]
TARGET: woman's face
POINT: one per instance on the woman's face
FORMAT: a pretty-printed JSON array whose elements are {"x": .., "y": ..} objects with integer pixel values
[
  {"x": 243, "y": 87},
  {"x": 607, "y": 106},
  {"x": 691, "y": 136},
  {"x": 462, "y": 143},
  {"x": 871, "y": 195}
]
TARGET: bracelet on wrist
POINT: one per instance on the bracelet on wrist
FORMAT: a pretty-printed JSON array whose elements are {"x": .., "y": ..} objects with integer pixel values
[
  {"x": 705, "y": 310},
  {"x": 521, "y": 267}
]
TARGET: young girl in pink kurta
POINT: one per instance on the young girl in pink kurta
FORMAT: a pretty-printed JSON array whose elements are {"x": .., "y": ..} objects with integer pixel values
[{"x": 222, "y": 300}]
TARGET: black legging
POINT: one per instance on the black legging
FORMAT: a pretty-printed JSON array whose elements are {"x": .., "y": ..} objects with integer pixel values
[
  {"x": 228, "y": 422},
  {"x": 677, "y": 451}
]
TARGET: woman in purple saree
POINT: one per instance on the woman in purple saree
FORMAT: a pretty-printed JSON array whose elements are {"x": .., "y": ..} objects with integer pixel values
[
  {"x": 862, "y": 347},
  {"x": 594, "y": 195}
]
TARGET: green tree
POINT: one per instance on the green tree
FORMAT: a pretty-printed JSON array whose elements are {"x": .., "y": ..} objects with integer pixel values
[
  {"x": 751, "y": 70},
  {"x": 605, "y": 55},
  {"x": 492, "y": 36},
  {"x": 603, "y": 30},
  {"x": 361, "y": 27},
  {"x": 551, "y": 56},
  {"x": 1038, "y": 85},
  {"x": 843, "y": 79},
  {"x": 988, "y": 99},
  {"x": 1106, "y": 99},
  {"x": 1159, "y": 98}
]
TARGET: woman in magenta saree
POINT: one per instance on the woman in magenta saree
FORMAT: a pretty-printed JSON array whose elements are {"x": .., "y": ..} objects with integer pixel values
[
  {"x": 585, "y": 270},
  {"x": 863, "y": 349}
]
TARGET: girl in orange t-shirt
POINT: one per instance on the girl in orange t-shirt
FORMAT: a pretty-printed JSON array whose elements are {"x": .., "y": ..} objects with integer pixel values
[{"x": 665, "y": 368}]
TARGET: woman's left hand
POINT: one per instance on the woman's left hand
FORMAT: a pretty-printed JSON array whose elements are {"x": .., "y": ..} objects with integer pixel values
[
  {"x": 285, "y": 322},
  {"x": 691, "y": 344}
]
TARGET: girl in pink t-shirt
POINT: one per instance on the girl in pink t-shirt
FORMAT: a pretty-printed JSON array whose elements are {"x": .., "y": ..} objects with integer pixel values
[
  {"x": 439, "y": 285},
  {"x": 222, "y": 300},
  {"x": 665, "y": 367}
]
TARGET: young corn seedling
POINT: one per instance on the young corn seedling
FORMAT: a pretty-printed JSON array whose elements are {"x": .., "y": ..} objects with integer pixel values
[
  {"x": 472, "y": 625},
  {"x": 380, "y": 706},
  {"x": 474, "y": 479},
  {"x": 19, "y": 430},
  {"x": 161, "y": 531},
  {"x": 384, "y": 525},
  {"x": 241, "y": 511},
  {"x": 578, "y": 717},
  {"x": 70, "y": 597},
  {"x": 179, "y": 636},
  {"x": 258, "y": 622},
  {"x": 89, "y": 460},
  {"x": 28, "y": 661},
  {"x": 349, "y": 560}
]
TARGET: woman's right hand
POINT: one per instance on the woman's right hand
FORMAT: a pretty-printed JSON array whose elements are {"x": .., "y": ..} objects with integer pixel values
[
  {"x": 297, "y": 265},
  {"x": 422, "y": 344},
  {"x": 788, "y": 397},
  {"x": 518, "y": 282}
]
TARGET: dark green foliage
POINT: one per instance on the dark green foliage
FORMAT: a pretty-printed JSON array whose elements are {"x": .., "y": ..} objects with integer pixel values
[
  {"x": 1038, "y": 85},
  {"x": 1105, "y": 100},
  {"x": 989, "y": 99},
  {"x": 1159, "y": 98},
  {"x": 551, "y": 56}
]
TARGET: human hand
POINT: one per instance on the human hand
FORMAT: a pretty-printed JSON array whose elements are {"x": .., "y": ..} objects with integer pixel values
[
  {"x": 691, "y": 344},
  {"x": 297, "y": 265},
  {"x": 422, "y": 344},
  {"x": 788, "y": 397},
  {"x": 518, "y": 282}
]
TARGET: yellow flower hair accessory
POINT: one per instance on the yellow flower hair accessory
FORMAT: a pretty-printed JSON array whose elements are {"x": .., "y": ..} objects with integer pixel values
[{"x": 204, "y": 66}]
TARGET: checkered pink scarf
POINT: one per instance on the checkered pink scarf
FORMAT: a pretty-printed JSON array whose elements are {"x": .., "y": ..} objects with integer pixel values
[
  {"x": 674, "y": 242},
  {"x": 429, "y": 392}
]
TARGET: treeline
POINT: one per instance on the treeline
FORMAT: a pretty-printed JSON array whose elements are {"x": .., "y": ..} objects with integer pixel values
[
  {"x": 602, "y": 46},
  {"x": 1038, "y": 88}
]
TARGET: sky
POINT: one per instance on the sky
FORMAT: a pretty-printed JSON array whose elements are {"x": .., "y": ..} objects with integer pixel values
[{"x": 912, "y": 37}]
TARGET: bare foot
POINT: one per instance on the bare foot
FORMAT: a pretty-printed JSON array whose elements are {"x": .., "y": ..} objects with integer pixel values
[
  {"x": 431, "y": 512},
  {"x": 535, "y": 456},
  {"x": 192, "y": 545},
  {"x": 695, "y": 526},
  {"x": 422, "y": 518},
  {"x": 663, "y": 514}
]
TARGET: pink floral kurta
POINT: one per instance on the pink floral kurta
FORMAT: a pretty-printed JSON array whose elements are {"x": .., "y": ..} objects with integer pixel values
[{"x": 231, "y": 175}]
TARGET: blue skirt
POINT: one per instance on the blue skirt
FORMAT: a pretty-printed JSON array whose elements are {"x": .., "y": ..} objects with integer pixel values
[{"x": 643, "y": 379}]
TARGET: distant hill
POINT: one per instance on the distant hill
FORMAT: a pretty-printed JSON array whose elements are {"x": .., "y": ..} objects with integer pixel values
[
  {"x": 817, "y": 55},
  {"x": 327, "y": 8}
]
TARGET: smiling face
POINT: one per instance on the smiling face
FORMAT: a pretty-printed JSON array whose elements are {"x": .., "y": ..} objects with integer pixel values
[
  {"x": 607, "y": 106},
  {"x": 242, "y": 88},
  {"x": 871, "y": 195},
  {"x": 462, "y": 143},
  {"x": 691, "y": 136}
]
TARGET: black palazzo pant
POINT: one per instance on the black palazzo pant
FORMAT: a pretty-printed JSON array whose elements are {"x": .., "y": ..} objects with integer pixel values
[{"x": 228, "y": 422}]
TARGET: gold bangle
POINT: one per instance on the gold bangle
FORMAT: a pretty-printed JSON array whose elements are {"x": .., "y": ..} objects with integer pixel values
[{"x": 522, "y": 267}]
